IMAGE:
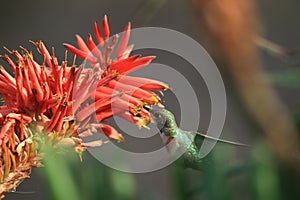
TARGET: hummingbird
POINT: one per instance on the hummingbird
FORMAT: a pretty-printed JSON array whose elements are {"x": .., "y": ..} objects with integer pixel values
[{"x": 186, "y": 142}]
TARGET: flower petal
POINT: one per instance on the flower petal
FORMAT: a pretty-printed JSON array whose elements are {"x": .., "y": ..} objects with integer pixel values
[
  {"x": 81, "y": 54},
  {"x": 111, "y": 132},
  {"x": 81, "y": 44},
  {"x": 98, "y": 34},
  {"x": 124, "y": 41},
  {"x": 143, "y": 83},
  {"x": 105, "y": 26},
  {"x": 93, "y": 47},
  {"x": 132, "y": 66}
]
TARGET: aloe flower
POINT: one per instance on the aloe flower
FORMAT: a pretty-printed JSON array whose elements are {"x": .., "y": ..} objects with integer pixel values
[
  {"x": 136, "y": 92},
  {"x": 39, "y": 105}
]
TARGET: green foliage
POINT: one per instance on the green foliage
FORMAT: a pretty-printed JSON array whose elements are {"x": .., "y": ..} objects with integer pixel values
[
  {"x": 289, "y": 78},
  {"x": 59, "y": 176},
  {"x": 259, "y": 176},
  {"x": 69, "y": 178},
  {"x": 123, "y": 185},
  {"x": 297, "y": 119},
  {"x": 264, "y": 174}
]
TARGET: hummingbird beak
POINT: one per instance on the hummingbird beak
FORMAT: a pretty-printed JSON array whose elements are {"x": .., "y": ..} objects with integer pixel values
[{"x": 155, "y": 111}]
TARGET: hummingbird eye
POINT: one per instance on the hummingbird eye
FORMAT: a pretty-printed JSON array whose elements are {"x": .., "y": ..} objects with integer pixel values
[{"x": 159, "y": 116}]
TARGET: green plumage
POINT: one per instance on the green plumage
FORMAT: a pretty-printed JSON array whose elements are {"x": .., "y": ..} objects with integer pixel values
[
  {"x": 181, "y": 141},
  {"x": 178, "y": 141}
]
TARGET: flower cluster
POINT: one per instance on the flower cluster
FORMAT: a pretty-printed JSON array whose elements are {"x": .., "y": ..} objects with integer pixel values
[
  {"x": 136, "y": 93},
  {"x": 39, "y": 101}
]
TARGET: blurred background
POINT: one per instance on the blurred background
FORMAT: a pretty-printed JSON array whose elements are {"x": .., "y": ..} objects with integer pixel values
[{"x": 255, "y": 45}]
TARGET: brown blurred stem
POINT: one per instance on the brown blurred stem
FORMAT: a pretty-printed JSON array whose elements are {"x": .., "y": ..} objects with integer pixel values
[{"x": 231, "y": 25}]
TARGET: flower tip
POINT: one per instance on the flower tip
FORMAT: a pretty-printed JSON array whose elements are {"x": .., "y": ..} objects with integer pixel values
[
  {"x": 105, "y": 26},
  {"x": 70, "y": 48},
  {"x": 151, "y": 57},
  {"x": 128, "y": 27},
  {"x": 81, "y": 44},
  {"x": 148, "y": 59},
  {"x": 98, "y": 34},
  {"x": 167, "y": 88},
  {"x": 146, "y": 127},
  {"x": 33, "y": 42},
  {"x": 155, "y": 100},
  {"x": 36, "y": 43},
  {"x": 6, "y": 49},
  {"x": 121, "y": 139},
  {"x": 66, "y": 45}
]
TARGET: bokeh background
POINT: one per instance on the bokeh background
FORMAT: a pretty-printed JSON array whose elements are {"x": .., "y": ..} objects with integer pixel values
[{"x": 262, "y": 81}]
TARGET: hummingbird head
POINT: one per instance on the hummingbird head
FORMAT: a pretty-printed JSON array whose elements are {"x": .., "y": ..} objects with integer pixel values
[
  {"x": 163, "y": 118},
  {"x": 165, "y": 122}
]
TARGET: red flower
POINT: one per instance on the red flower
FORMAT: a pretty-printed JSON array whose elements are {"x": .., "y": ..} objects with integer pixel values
[
  {"x": 39, "y": 104},
  {"x": 136, "y": 92}
]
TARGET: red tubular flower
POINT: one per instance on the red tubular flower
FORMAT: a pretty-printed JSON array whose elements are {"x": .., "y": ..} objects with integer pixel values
[
  {"x": 44, "y": 92},
  {"x": 40, "y": 105},
  {"x": 136, "y": 91}
]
